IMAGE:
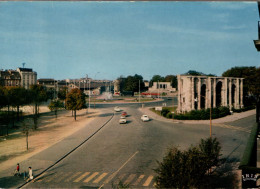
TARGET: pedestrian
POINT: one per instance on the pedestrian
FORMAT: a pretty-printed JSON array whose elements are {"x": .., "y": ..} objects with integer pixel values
[
  {"x": 30, "y": 176},
  {"x": 17, "y": 170}
]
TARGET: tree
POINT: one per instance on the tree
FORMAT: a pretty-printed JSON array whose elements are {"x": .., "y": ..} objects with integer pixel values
[
  {"x": 194, "y": 73},
  {"x": 187, "y": 169},
  {"x": 132, "y": 83},
  {"x": 55, "y": 105},
  {"x": 38, "y": 95},
  {"x": 156, "y": 78},
  {"x": 172, "y": 79},
  {"x": 75, "y": 100},
  {"x": 62, "y": 93}
]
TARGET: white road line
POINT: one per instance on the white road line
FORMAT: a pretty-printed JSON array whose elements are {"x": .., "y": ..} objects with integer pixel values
[
  {"x": 148, "y": 181},
  {"x": 114, "y": 174},
  {"x": 91, "y": 177},
  {"x": 81, "y": 177}
]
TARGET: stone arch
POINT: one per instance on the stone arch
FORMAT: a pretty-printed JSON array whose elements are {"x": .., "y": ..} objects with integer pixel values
[
  {"x": 218, "y": 94},
  {"x": 203, "y": 97}
]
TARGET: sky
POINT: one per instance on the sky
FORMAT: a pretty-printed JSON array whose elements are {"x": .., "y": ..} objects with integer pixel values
[{"x": 106, "y": 40}]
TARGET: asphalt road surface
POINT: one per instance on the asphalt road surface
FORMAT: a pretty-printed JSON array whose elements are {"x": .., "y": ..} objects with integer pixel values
[{"x": 127, "y": 153}]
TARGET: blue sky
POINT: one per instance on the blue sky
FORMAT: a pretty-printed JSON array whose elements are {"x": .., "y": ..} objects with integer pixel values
[{"x": 108, "y": 39}]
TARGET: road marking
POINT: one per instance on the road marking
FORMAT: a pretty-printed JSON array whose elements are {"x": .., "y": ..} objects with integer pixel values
[
  {"x": 91, "y": 177},
  {"x": 115, "y": 173},
  {"x": 129, "y": 179},
  {"x": 51, "y": 177},
  {"x": 62, "y": 177},
  {"x": 232, "y": 127},
  {"x": 120, "y": 178},
  {"x": 100, "y": 178},
  {"x": 72, "y": 177},
  {"x": 81, "y": 177},
  {"x": 139, "y": 180},
  {"x": 148, "y": 181},
  {"x": 40, "y": 178}
]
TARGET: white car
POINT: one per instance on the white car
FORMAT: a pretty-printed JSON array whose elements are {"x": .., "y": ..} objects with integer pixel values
[
  {"x": 117, "y": 109},
  {"x": 145, "y": 118},
  {"x": 122, "y": 120}
]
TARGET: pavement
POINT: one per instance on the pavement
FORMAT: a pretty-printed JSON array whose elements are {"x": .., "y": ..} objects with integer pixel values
[{"x": 229, "y": 118}]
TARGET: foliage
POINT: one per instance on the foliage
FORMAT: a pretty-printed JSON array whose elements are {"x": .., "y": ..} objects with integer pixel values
[
  {"x": 62, "y": 93},
  {"x": 55, "y": 105},
  {"x": 204, "y": 114},
  {"x": 3, "y": 98},
  {"x": 196, "y": 73},
  {"x": 75, "y": 100},
  {"x": 187, "y": 169},
  {"x": 132, "y": 83},
  {"x": 172, "y": 79}
]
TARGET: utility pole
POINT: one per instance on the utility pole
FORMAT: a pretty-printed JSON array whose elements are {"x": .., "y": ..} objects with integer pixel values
[{"x": 139, "y": 91}]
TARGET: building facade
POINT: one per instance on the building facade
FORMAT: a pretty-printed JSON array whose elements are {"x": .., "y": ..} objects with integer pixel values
[
  {"x": 162, "y": 87},
  {"x": 200, "y": 92},
  {"x": 28, "y": 77},
  {"x": 10, "y": 78}
]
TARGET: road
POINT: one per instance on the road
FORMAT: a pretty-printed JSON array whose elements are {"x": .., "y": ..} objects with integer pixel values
[{"x": 128, "y": 153}]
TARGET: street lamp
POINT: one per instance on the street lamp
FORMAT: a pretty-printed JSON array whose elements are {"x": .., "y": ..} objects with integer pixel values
[
  {"x": 210, "y": 119},
  {"x": 94, "y": 98}
]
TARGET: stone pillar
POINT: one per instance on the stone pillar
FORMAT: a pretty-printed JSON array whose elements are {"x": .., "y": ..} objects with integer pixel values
[
  {"x": 199, "y": 88},
  {"x": 237, "y": 94},
  {"x": 179, "y": 94},
  {"x": 225, "y": 89},
  {"x": 230, "y": 93},
  {"x": 192, "y": 93},
  {"x": 241, "y": 94},
  {"x": 214, "y": 92}
]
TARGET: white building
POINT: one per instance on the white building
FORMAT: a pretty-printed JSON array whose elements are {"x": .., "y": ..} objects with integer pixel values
[
  {"x": 162, "y": 87},
  {"x": 28, "y": 77}
]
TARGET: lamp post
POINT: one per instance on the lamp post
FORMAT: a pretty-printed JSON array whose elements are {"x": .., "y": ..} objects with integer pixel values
[
  {"x": 93, "y": 93},
  {"x": 139, "y": 91}
]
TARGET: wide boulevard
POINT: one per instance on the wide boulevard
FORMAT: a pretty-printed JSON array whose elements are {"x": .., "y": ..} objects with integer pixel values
[{"x": 128, "y": 153}]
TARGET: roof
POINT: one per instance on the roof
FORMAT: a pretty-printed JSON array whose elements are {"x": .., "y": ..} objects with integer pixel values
[{"x": 25, "y": 69}]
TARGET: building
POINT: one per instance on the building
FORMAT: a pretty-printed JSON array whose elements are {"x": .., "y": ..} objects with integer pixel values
[
  {"x": 200, "y": 92},
  {"x": 10, "y": 78},
  {"x": 28, "y": 77},
  {"x": 162, "y": 88}
]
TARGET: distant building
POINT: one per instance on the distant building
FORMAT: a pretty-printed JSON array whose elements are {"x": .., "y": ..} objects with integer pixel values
[
  {"x": 28, "y": 77},
  {"x": 47, "y": 82},
  {"x": 10, "y": 78},
  {"x": 161, "y": 87}
]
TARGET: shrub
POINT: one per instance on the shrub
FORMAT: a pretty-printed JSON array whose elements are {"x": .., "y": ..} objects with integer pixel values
[
  {"x": 169, "y": 115},
  {"x": 164, "y": 112},
  {"x": 187, "y": 169}
]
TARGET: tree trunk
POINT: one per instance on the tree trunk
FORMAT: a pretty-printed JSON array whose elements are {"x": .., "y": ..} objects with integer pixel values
[
  {"x": 75, "y": 115},
  {"x": 18, "y": 113},
  {"x": 72, "y": 113},
  {"x": 257, "y": 110},
  {"x": 56, "y": 113},
  {"x": 27, "y": 145}
]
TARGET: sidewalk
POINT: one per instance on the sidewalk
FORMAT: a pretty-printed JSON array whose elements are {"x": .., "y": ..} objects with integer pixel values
[
  {"x": 229, "y": 118},
  {"x": 47, "y": 146}
]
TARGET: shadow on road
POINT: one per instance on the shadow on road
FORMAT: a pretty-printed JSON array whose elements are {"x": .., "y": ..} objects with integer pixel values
[{"x": 11, "y": 181}]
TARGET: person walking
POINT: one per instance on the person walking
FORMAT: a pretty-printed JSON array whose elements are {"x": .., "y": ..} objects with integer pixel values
[
  {"x": 30, "y": 176},
  {"x": 17, "y": 170}
]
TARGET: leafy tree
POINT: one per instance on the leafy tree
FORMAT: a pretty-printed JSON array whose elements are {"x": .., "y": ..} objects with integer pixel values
[
  {"x": 55, "y": 105},
  {"x": 38, "y": 95},
  {"x": 132, "y": 83},
  {"x": 172, "y": 79},
  {"x": 187, "y": 169},
  {"x": 3, "y": 98},
  {"x": 194, "y": 73},
  {"x": 75, "y": 100},
  {"x": 62, "y": 93}
]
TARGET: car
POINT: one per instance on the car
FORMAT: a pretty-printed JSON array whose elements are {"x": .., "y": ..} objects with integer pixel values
[
  {"x": 122, "y": 120},
  {"x": 145, "y": 118},
  {"x": 117, "y": 109},
  {"x": 124, "y": 114}
]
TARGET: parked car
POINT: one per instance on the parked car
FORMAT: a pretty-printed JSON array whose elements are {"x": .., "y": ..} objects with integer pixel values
[
  {"x": 122, "y": 120},
  {"x": 117, "y": 109},
  {"x": 145, "y": 118},
  {"x": 124, "y": 114}
]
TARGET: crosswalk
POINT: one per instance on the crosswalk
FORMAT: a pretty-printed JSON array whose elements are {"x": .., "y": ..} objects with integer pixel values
[
  {"x": 97, "y": 178},
  {"x": 232, "y": 127}
]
